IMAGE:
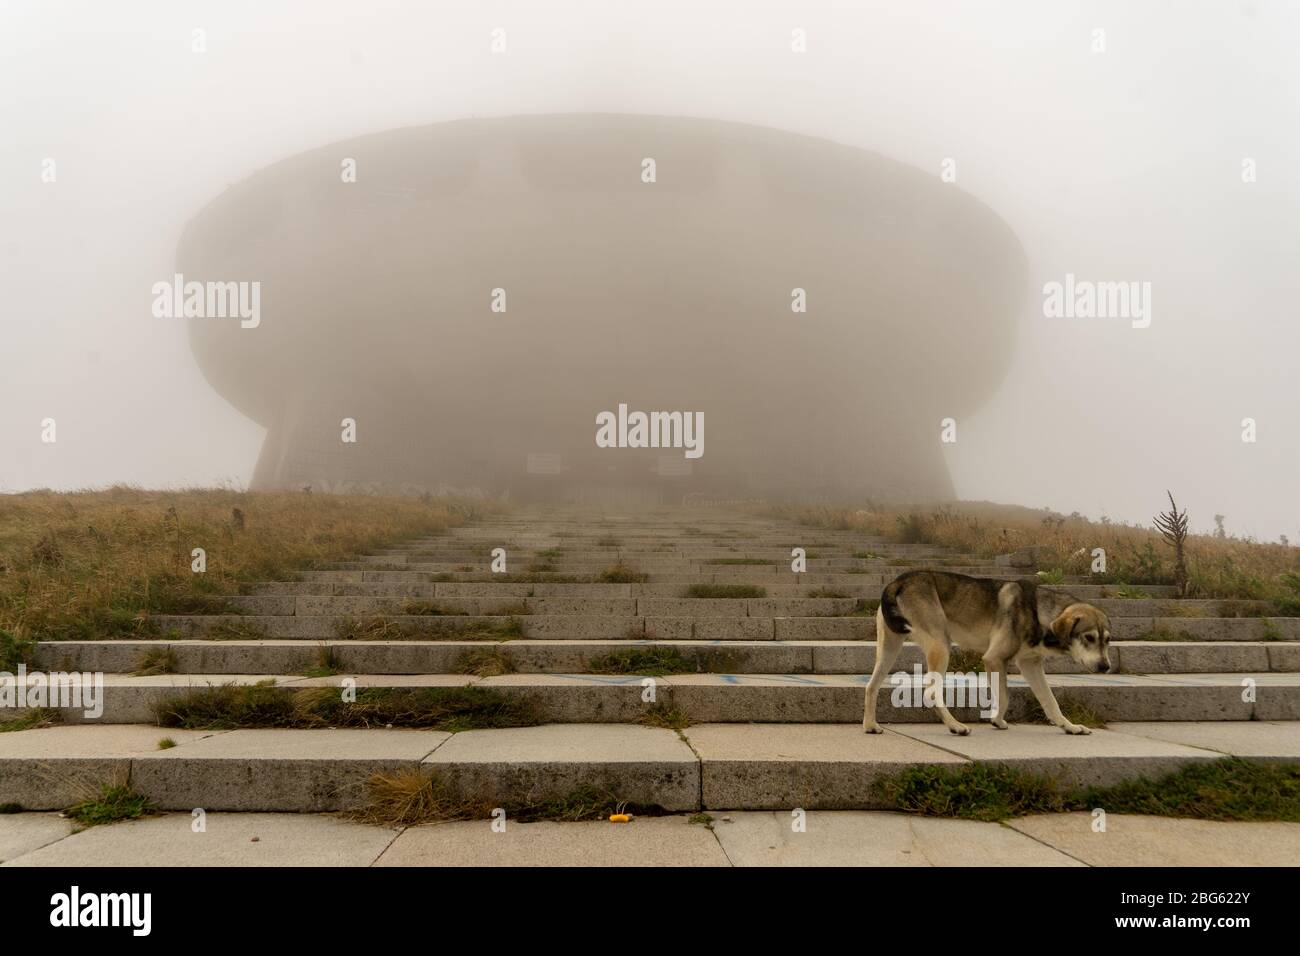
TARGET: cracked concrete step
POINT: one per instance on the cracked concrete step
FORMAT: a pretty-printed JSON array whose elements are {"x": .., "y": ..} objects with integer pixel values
[
  {"x": 711, "y": 766},
  {"x": 761, "y": 698},
  {"x": 557, "y": 656}
]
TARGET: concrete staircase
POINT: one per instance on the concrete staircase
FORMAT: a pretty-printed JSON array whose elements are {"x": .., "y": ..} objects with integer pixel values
[{"x": 768, "y": 707}]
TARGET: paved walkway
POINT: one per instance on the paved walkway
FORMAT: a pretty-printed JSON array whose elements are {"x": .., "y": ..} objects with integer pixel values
[{"x": 755, "y": 838}]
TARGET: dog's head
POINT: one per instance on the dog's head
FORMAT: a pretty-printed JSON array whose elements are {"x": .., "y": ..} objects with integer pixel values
[{"x": 1083, "y": 632}]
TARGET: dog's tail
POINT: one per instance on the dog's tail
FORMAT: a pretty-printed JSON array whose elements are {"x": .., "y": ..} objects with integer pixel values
[{"x": 894, "y": 619}]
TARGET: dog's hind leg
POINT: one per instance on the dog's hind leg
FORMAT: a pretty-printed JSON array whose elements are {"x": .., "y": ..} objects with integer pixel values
[
  {"x": 936, "y": 663},
  {"x": 1032, "y": 670},
  {"x": 888, "y": 645}
]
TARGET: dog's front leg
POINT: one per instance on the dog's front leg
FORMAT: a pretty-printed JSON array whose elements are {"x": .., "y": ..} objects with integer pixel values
[
  {"x": 1032, "y": 670},
  {"x": 997, "y": 670}
]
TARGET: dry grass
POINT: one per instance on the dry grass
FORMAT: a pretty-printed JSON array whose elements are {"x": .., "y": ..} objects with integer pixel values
[
  {"x": 412, "y": 797},
  {"x": 157, "y": 660},
  {"x": 1217, "y": 567},
  {"x": 94, "y": 564}
]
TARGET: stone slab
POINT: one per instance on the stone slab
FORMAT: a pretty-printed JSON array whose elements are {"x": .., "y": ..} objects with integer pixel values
[
  {"x": 1259, "y": 740},
  {"x": 227, "y": 839},
  {"x": 1102, "y": 758},
  {"x": 642, "y": 765},
  {"x": 1159, "y": 841},
  {"x": 645, "y": 841},
  {"x": 810, "y": 766},
  {"x": 274, "y": 770},
  {"x": 875, "y": 838}
]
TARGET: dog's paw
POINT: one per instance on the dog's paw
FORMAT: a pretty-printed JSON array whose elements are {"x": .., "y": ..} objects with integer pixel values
[
  {"x": 1075, "y": 728},
  {"x": 961, "y": 730},
  {"x": 872, "y": 729},
  {"x": 999, "y": 723}
]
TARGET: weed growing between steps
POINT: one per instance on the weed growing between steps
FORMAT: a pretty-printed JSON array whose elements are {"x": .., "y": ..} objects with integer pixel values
[
  {"x": 1226, "y": 789},
  {"x": 96, "y": 564},
  {"x": 663, "y": 661},
  {"x": 112, "y": 804},
  {"x": 431, "y": 607},
  {"x": 534, "y": 579},
  {"x": 386, "y": 629},
  {"x": 724, "y": 591},
  {"x": 32, "y": 719},
  {"x": 413, "y": 797},
  {"x": 452, "y": 709},
  {"x": 326, "y": 663},
  {"x": 487, "y": 662},
  {"x": 622, "y": 573},
  {"x": 742, "y": 562},
  {"x": 646, "y": 661},
  {"x": 976, "y": 791},
  {"x": 233, "y": 629},
  {"x": 665, "y": 717},
  {"x": 156, "y": 660},
  {"x": 1074, "y": 712}
]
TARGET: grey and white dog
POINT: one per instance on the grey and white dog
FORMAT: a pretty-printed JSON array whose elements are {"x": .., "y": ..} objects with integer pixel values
[{"x": 1005, "y": 622}]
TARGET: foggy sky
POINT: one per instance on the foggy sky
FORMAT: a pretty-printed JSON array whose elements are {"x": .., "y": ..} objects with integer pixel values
[{"x": 1119, "y": 166}]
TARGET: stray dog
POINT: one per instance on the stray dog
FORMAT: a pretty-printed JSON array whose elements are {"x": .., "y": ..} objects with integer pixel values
[{"x": 1005, "y": 621}]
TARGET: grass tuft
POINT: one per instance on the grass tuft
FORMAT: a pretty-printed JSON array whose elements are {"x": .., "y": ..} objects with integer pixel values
[
  {"x": 156, "y": 660},
  {"x": 33, "y": 719},
  {"x": 451, "y": 709},
  {"x": 648, "y": 661},
  {"x": 622, "y": 573},
  {"x": 724, "y": 591},
  {"x": 1226, "y": 789},
  {"x": 112, "y": 804},
  {"x": 1074, "y": 712},
  {"x": 485, "y": 662}
]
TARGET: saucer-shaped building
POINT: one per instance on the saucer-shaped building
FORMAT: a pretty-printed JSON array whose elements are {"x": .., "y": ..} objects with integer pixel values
[{"x": 673, "y": 295}]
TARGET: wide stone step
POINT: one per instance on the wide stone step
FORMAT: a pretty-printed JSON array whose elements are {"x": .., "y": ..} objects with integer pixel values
[
  {"x": 763, "y": 698},
  {"x": 854, "y": 586},
  {"x": 725, "y": 575},
  {"x": 710, "y": 767},
  {"x": 533, "y": 656},
  {"x": 666, "y": 627}
]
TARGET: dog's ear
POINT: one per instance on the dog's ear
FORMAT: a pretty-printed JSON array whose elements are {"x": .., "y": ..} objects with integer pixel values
[{"x": 1063, "y": 627}]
